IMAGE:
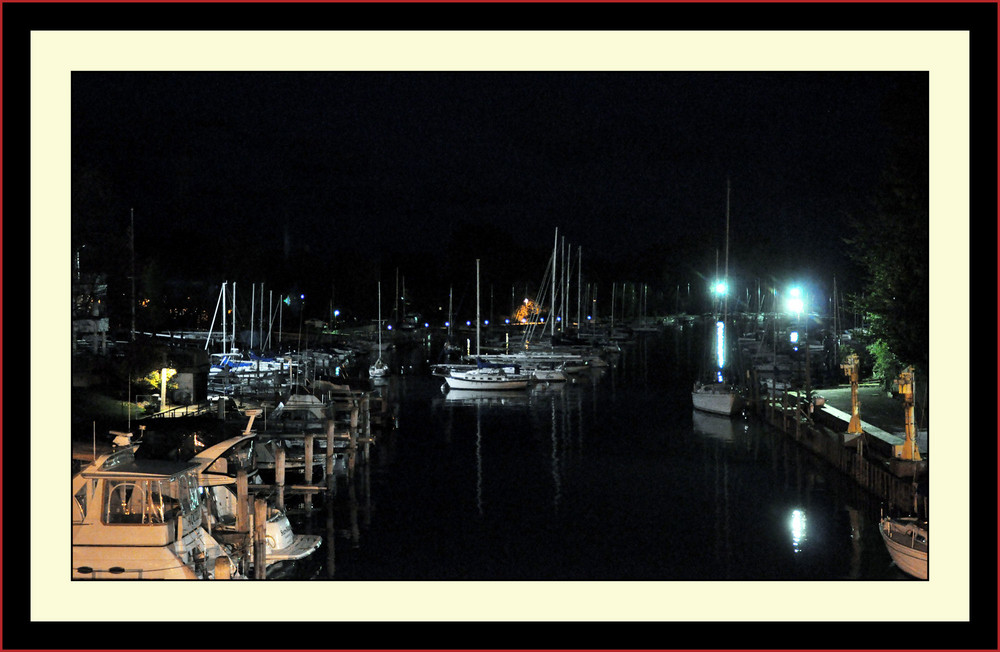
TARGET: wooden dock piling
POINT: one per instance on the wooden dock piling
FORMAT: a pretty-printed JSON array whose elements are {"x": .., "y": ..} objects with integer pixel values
[
  {"x": 279, "y": 474},
  {"x": 260, "y": 539},
  {"x": 307, "y": 498}
]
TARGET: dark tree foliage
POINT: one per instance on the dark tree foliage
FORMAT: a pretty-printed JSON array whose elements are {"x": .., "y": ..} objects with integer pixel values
[{"x": 890, "y": 242}]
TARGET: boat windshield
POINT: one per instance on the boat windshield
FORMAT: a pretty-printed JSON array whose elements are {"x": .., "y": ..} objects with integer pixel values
[{"x": 139, "y": 501}]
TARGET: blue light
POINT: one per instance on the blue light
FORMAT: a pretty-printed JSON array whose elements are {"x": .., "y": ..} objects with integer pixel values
[{"x": 426, "y": 325}]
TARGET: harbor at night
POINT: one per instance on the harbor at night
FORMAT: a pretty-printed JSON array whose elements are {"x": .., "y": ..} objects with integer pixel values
[
  {"x": 343, "y": 330},
  {"x": 345, "y": 325}
]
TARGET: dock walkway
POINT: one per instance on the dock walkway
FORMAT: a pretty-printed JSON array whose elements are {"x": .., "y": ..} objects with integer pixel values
[{"x": 881, "y": 414}]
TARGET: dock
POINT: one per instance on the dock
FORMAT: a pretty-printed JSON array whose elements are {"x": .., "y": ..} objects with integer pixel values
[{"x": 872, "y": 458}]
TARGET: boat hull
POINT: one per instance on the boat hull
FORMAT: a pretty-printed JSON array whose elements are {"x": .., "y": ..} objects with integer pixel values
[
  {"x": 907, "y": 545},
  {"x": 717, "y": 400},
  {"x": 478, "y": 380},
  {"x": 485, "y": 384},
  {"x": 174, "y": 561}
]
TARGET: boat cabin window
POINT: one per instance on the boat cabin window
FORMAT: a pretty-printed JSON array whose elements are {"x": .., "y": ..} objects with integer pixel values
[
  {"x": 80, "y": 502},
  {"x": 147, "y": 502}
]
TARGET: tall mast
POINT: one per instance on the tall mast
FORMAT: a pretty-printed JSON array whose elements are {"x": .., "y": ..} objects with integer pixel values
[
  {"x": 232, "y": 346},
  {"x": 224, "y": 333},
  {"x": 555, "y": 256},
  {"x": 215, "y": 314},
  {"x": 477, "y": 307},
  {"x": 579, "y": 286},
  {"x": 565, "y": 288},
  {"x": 253, "y": 300},
  {"x": 725, "y": 312}
]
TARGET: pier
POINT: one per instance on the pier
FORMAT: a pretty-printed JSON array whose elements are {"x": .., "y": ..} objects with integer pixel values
[{"x": 871, "y": 455}]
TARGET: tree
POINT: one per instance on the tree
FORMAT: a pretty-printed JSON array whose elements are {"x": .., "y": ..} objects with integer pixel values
[{"x": 890, "y": 243}]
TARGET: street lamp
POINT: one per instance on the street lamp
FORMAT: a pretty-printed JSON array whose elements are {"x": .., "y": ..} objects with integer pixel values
[{"x": 795, "y": 302}]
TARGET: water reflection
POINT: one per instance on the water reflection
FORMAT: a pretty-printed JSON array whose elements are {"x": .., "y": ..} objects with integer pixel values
[
  {"x": 554, "y": 482},
  {"x": 492, "y": 398},
  {"x": 713, "y": 426},
  {"x": 798, "y": 529}
]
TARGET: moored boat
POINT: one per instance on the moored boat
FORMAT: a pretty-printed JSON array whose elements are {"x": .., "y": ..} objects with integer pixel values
[
  {"x": 717, "y": 398},
  {"x": 141, "y": 519},
  {"x": 488, "y": 377},
  {"x": 906, "y": 539},
  {"x": 217, "y": 482},
  {"x": 379, "y": 369}
]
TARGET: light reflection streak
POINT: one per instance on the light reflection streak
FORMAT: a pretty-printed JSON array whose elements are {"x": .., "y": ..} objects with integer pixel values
[
  {"x": 798, "y": 528},
  {"x": 555, "y": 461},
  {"x": 479, "y": 458}
]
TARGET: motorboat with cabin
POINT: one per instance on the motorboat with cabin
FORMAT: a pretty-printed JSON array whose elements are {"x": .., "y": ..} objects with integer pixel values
[{"x": 142, "y": 519}]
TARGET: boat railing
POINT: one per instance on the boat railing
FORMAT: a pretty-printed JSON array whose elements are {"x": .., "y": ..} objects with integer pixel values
[{"x": 184, "y": 411}]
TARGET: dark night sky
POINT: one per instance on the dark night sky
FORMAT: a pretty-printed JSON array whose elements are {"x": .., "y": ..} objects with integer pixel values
[{"x": 321, "y": 174}]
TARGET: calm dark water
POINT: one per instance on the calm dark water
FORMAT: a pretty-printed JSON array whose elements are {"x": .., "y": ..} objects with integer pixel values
[{"x": 610, "y": 477}]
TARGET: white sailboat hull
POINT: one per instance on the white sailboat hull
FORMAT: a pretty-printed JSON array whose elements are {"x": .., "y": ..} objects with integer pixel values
[
  {"x": 717, "y": 399},
  {"x": 476, "y": 380}
]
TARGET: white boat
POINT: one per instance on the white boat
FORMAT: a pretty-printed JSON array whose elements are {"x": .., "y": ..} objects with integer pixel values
[
  {"x": 488, "y": 378},
  {"x": 141, "y": 519},
  {"x": 486, "y": 375},
  {"x": 240, "y": 364},
  {"x": 548, "y": 373},
  {"x": 717, "y": 398},
  {"x": 906, "y": 539},
  {"x": 301, "y": 412},
  {"x": 379, "y": 369},
  {"x": 218, "y": 488}
]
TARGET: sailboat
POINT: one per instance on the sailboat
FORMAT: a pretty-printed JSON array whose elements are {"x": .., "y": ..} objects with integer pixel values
[
  {"x": 719, "y": 395},
  {"x": 486, "y": 375},
  {"x": 379, "y": 369},
  {"x": 906, "y": 539}
]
